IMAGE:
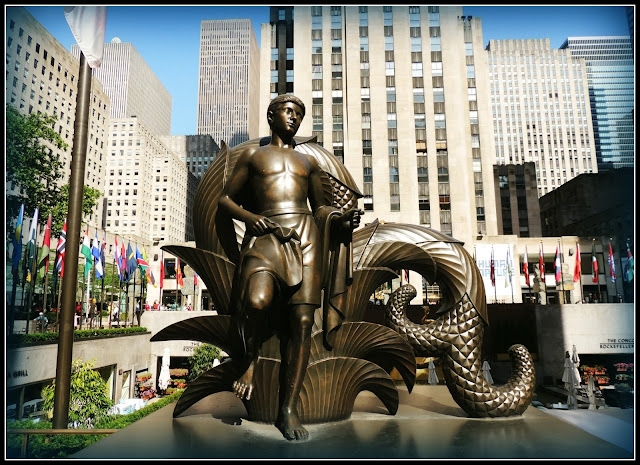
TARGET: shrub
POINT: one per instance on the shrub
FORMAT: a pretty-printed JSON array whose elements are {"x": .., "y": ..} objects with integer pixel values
[{"x": 201, "y": 360}]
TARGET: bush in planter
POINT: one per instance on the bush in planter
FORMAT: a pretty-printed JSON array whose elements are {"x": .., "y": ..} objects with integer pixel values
[{"x": 202, "y": 360}]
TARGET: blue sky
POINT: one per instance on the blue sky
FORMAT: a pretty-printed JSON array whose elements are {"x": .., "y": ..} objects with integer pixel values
[{"x": 168, "y": 37}]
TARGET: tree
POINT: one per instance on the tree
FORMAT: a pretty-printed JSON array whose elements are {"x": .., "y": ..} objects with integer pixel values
[
  {"x": 59, "y": 211},
  {"x": 201, "y": 360},
  {"x": 31, "y": 163},
  {"x": 89, "y": 399}
]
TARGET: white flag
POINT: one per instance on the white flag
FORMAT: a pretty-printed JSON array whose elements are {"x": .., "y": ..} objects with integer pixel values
[{"x": 88, "y": 25}]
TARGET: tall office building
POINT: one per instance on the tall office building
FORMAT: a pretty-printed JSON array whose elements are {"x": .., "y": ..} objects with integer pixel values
[
  {"x": 228, "y": 81},
  {"x": 146, "y": 185},
  {"x": 398, "y": 94},
  {"x": 519, "y": 209},
  {"x": 198, "y": 151},
  {"x": 541, "y": 112},
  {"x": 42, "y": 76},
  {"x": 133, "y": 87},
  {"x": 611, "y": 78}
]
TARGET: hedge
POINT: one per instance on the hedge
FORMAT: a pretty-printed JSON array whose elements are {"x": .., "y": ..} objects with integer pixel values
[
  {"x": 21, "y": 339},
  {"x": 62, "y": 445}
]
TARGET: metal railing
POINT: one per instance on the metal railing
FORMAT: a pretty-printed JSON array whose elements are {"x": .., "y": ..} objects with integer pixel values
[{"x": 41, "y": 431}]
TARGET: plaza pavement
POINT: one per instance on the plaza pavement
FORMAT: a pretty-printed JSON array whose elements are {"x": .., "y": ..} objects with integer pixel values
[{"x": 428, "y": 424}]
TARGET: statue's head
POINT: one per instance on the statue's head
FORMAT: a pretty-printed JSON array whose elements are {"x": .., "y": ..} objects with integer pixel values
[{"x": 281, "y": 100}]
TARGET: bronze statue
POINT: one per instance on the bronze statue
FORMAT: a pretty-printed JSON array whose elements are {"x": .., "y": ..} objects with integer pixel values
[
  {"x": 274, "y": 222},
  {"x": 278, "y": 280}
]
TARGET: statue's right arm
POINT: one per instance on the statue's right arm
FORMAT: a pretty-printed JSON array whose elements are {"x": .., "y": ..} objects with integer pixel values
[{"x": 234, "y": 192}]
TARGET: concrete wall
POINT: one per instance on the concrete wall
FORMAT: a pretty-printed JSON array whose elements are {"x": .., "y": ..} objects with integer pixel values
[{"x": 592, "y": 328}]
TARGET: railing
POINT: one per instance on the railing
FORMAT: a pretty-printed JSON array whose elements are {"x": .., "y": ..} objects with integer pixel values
[{"x": 29, "y": 431}]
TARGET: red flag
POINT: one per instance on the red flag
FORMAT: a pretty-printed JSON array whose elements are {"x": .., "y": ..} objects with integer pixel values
[
  {"x": 576, "y": 270},
  {"x": 493, "y": 270},
  {"x": 46, "y": 246},
  {"x": 526, "y": 266},
  {"x": 594, "y": 264},
  {"x": 161, "y": 270},
  {"x": 541, "y": 265},
  {"x": 406, "y": 275},
  {"x": 179, "y": 273},
  {"x": 612, "y": 265}
]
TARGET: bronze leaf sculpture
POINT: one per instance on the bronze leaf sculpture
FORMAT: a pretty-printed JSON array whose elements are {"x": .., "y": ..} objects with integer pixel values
[{"x": 292, "y": 362}]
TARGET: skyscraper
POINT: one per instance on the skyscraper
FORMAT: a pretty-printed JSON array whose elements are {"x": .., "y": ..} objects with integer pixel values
[
  {"x": 134, "y": 89},
  {"x": 42, "y": 77},
  {"x": 611, "y": 78},
  {"x": 197, "y": 151},
  {"x": 376, "y": 81},
  {"x": 228, "y": 81},
  {"x": 541, "y": 112}
]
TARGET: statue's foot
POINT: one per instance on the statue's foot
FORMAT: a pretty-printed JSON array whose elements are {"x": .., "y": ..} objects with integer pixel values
[
  {"x": 291, "y": 428},
  {"x": 243, "y": 386}
]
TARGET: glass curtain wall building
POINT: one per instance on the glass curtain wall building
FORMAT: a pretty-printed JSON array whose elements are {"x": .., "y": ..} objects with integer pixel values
[{"x": 611, "y": 78}]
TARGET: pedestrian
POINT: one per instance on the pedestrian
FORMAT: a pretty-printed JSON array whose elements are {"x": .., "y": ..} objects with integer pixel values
[
  {"x": 42, "y": 322},
  {"x": 155, "y": 305},
  {"x": 138, "y": 312},
  {"x": 92, "y": 312}
]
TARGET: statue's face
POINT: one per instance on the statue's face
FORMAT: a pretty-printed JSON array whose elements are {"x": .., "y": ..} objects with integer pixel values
[{"x": 286, "y": 119}]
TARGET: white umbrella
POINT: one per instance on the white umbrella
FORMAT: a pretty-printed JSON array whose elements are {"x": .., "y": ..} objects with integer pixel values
[
  {"x": 591, "y": 392},
  {"x": 163, "y": 380},
  {"x": 486, "y": 371},
  {"x": 433, "y": 377},
  {"x": 576, "y": 363}
]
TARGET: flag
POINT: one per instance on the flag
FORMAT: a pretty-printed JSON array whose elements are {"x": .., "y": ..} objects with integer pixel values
[
  {"x": 95, "y": 252},
  {"x": 406, "y": 275},
  {"x": 179, "y": 273},
  {"x": 88, "y": 25},
  {"x": 594, "y": 264},
  {"x": 612, "y": 264},
  {"x": 17, "y": 240},
  {"x": 628, "y": 269},
  {"x": 43, "y": 257},
  {"x": 103, "y": 246},
  {"x": 60, "y": 250},
  {"x": 557, "y": 266},
  {"x": 132, "y": 262},
  {"x": 509, "y": 269},
  {"x": 141, "y": 261},
  {"x": 195, "y": 279},
  {"x": 541, "y": 265},
  {"x": 493, "y": 270},
  {"x": 161, "y": 269},
  {"x": 31, "y": 244},
  {"x": 123, "y": 263},
  {"x": 526, "y": 267},
  {"x": 576, "y": 270},
  {"x": 86, "y": 251},
  {"x": 150, "y": 278},
  {"x": 118, "y": 259}
]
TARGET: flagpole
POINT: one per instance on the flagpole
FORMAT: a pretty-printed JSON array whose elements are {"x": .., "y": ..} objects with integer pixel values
[
  {"x": 561, "y": 274},
  {"x": 597, "y": 273},
  {"x": 526, "y": 254},
  {"x": 44, "y": 301},
  {"x": 580, "y": 275},
  {"x": 113, "y": 269},
  {"x": 611, "y": 268},
  {"x": 133, "y": 313},
  {"x": 59, "y": 296}
]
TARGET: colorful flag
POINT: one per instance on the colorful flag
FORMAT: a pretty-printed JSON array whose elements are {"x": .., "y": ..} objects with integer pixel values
[
  {"x": 132, "y": 263},
  {"x": 195, "y": 279},
  {"x": 118, "y": 258},
  {"x": 43, "y": 257},
  {"x": 88, "y": 25},
  {"x": 86, "y": 251},
  {"x": 95, "y": 252},
  {"x": 179, "y": 273},
  {"x": 557, "y": 266},
  {"x": 612, "y": 264},
  {"x": 628, "y": 268},
  {"x": 17, "y": 240},
  {"x": 123, "y": 263},
  {"x": 103, "y": 246},
  {"x": 406, "y": 276},
  {"x": 31, "y": 244},
  {"x": 141, "y": 261},
  {"x": 541, "y": 265},
  {"x": 594, "y": 264},
  {"x": 493, "y": 270},
  {"x": 150, "y": 278},
  {"x": 161, "y": 269},
  {"x": 577, "y": 270},
  {"x": 526, "y": 267},
  {"x": 60, "y": 250}
]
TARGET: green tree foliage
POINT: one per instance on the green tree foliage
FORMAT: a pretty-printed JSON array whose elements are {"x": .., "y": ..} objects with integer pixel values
[
  {"x": 201, "y": 360},
  {"x": 31, "y": 163},
  {"x": 89, "y": 399},
  {"x": 60, "y": 209}
]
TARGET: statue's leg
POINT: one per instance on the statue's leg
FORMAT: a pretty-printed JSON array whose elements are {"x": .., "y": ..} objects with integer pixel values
[
  {"x": 252, "y": 320},
  {"x": 295, "y": 347}
]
